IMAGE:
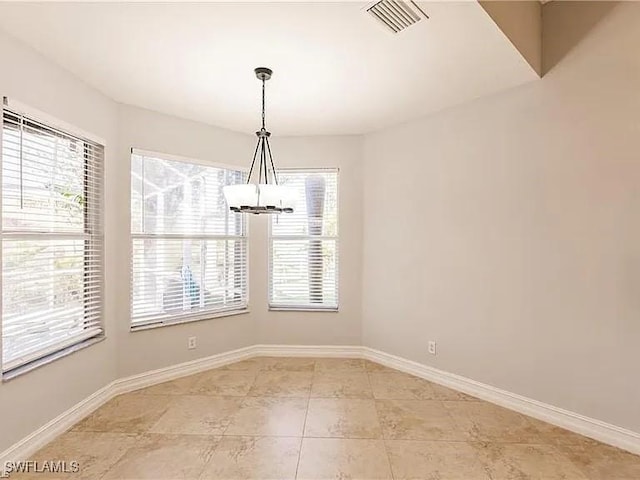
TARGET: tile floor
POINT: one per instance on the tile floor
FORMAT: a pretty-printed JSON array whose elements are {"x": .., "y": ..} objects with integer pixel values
[{"x": 285, "y": 418}]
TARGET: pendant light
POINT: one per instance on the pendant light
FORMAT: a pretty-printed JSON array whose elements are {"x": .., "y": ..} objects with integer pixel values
[{"x": 266, "y": 196}]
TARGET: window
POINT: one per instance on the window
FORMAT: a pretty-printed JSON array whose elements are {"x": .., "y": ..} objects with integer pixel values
[
  {"x": 304, "y": 244},
  {"x": 51, "y": 240},
  {"x": 189, "y": 257}
]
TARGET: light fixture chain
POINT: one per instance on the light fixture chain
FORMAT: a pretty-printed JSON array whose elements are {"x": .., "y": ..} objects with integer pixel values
[{"x": 263, "y": 114}]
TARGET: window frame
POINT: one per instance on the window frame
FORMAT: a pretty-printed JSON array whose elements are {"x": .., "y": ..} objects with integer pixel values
[
  {"x": 167, "y": 321},
  {"x": 93, "y": 231},
  {"x": 273, "y": 307}
]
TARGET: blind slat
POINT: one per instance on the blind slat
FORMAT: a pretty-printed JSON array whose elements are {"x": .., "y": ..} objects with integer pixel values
[
  {"x": 52, "y": 243},
  {"x": 189, "y": 251},
  {"x": 303, "y": 257}
]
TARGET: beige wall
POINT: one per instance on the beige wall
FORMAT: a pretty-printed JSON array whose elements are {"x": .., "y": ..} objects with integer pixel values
[
  {"x": 67, "y": 381},
  {"x": 150, "y": 349},
  {"x": 29, "y": 401},
  {"x": 508, "y": 231},
  {"x": 161, "y": 347},
  {"x": 318, "y": 328}
]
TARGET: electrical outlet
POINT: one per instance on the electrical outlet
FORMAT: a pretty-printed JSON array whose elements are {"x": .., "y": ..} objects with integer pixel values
[
  {"x": 191, "y": 343},
  {"x": 432, "y": 347}
]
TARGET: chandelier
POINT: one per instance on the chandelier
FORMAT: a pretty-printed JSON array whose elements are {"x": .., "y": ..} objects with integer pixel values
[{"x": 266, "y": 196}]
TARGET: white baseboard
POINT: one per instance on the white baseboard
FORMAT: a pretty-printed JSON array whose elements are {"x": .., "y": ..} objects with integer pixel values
[
  {"x": 29, "y": 445},
  {"x": 589, "y": 427},
  {"x": 153, "y": 377},
  {"x": 601, "y": 431},
  {"x": 63, "y": 422},
  {"x": 333, "y": 351}
]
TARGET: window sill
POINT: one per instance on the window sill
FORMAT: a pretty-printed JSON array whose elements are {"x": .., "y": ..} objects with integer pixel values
[
  {"x": 187, "y": 319},
  {"x": 18, "y": 371},
  {"x": 304, "y": 309}
]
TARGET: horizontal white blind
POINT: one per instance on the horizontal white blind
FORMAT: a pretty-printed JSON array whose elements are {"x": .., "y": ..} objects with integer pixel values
[
  {"x": 52, "y": 240},
  {"x": 304, "y": 244},
  {"x": 189, "y": 251}
]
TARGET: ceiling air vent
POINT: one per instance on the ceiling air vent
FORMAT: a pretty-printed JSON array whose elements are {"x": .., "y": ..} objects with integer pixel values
[{"x": 396, "y": 15}]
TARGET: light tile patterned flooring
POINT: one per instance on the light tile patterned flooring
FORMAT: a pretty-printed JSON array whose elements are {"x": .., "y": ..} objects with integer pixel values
[{"x": 285, "y": 418}]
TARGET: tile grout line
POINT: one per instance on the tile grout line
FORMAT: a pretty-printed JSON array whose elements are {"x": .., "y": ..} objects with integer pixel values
[
  {"x": 124, "y": 452},
  {"x": 384, "y": 442},
  {"x": 222, "y": 435},
  {"x": 306, "y": 413}
]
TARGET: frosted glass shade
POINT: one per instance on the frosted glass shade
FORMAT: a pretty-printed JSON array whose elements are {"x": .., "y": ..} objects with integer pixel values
[{"x": 262, "y": 198}]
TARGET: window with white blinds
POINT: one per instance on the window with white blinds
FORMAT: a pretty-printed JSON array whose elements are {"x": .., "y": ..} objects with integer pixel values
[
  {"x": 51, "y": 240},
  {"x": 189, "y": 251},
  {"x": 304, "y": 244}
]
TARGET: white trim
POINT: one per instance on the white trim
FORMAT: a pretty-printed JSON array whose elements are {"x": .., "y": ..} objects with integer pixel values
[
  {"x": 153, "y": 377},
  {"x": 308, "y": 169},
  {"x": 589, "y": 427},
  {"x": 63, "y": 422},
  {"x": 157, "y": 322},
  {"x": 2, "y": 105},
  {"x": 45, "y": 434},
  {"x": 311, "y": 351},
  {"x": 51, "y": 121},
  {"x": 276, "y": 308},
  {"x": 77, "y": 339},
  {"x": 596, "y": 429},
  {"x": 183, "y": 236},
  {"x": 183, "y": 159}
]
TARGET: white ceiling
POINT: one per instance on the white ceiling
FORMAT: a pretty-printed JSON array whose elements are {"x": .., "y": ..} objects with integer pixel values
[{"x": 336, "y": 70}]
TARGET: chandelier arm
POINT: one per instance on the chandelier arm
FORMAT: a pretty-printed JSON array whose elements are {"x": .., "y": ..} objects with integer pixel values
[
  {"x": 260, "y": 168},
  {"x": 273, "y": 168},
  {"x": 260, "y": 162},
  {"x": 264, "y": 160},
  {"x": 255, "y": 153}
]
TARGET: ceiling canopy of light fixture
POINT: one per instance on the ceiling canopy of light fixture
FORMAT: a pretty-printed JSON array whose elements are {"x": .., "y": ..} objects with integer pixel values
[{"x": 266, "y": 196}]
